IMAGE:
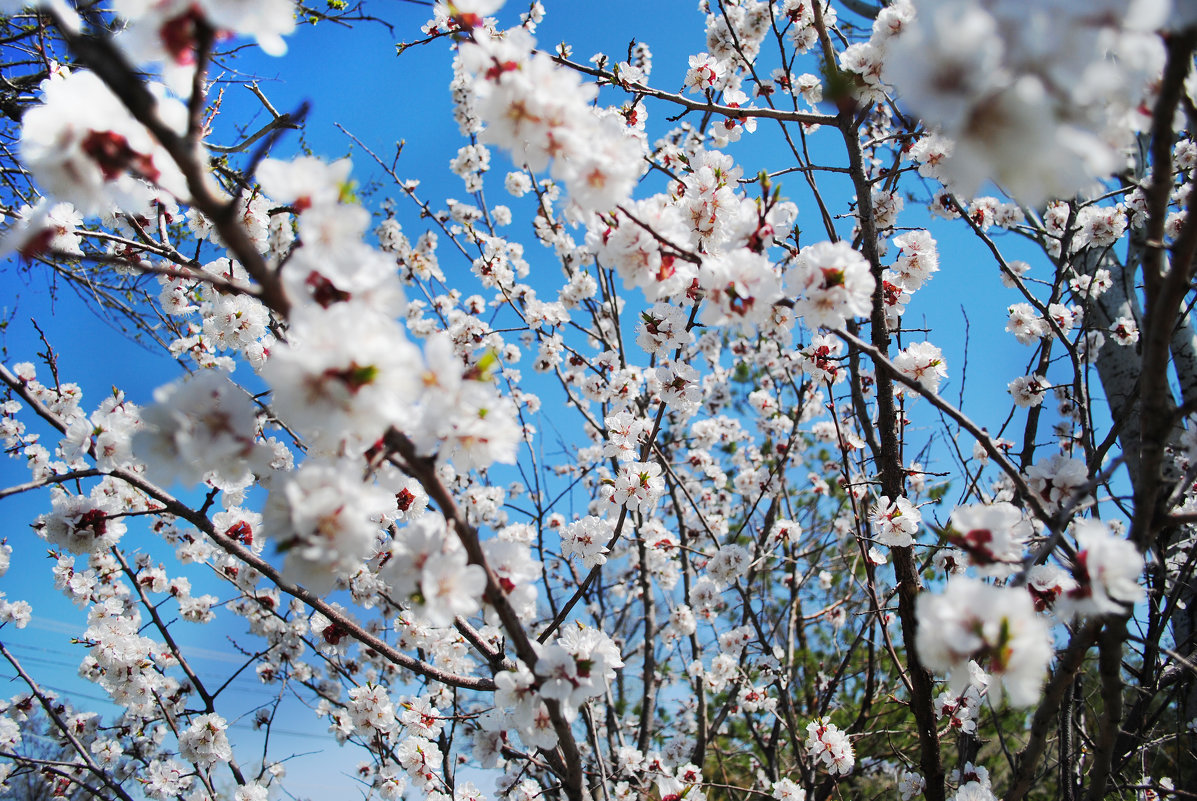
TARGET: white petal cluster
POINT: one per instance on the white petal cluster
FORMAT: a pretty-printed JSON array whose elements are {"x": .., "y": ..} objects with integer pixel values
[
  {"x": 428, "y": 568},
  {"x": 910, "y": 785},
  {"x": 322, "y": 516},
  {"x": 1040, "y": 98},
  {"x": 729, "y": 563},
  {"x": 167, "y": 779},
  {"x": 832, "y": 282},
  {"x": 830, "y": 747},
  {"x": 344, "y": 373},
  {"x": 820, "y": 359},
  {"x": 18, "y": 613},
  {"x": 1058, "y": 480},
  {"x": 82, "y": 524},
  {"x": 578, "y": 666},
  {"x": 741, "y": 288},
  {"x": 461, "y": 411},
  {"x": 197, "y": 426},
  {"x": 1026, "y": 324},
  {"x": 788, "y": 790},
  {"x": 164, "y": 31},
  {"x": 922, "y": 362},
  {"x": 422, "y": 760},
  {"x": 897, "y": 521},
  {"x": 371, "y": 710},
  {"x": 962, "y": 710},
  {"x": 993, "y": 536},
  {"x": 705, "y": 73},
  {"x": 918, "y": 259},
  {"x": 587, "y": 538},
  {"x": 996, "y": 626},
  {"x": 84, "y": 147},
  {"x": 510, "y": 560},
  {"x": 205, "y": 742},
  {"x": 105, "y": 434},
  {"x": 330, "y": 263},
  {"x": 662, "y": 330},
  {"x": 122, "y": 661},
  {"x": 625, "y": 436},
  {"x": 1028, "y": 390},
  {"x": 542, "y": 112},
  {"x": 681, "y": 386},
  {"x": 1106, "y": 571},
  {"x": 653, "y": 263},
  {"x": 638, "y": 487}
]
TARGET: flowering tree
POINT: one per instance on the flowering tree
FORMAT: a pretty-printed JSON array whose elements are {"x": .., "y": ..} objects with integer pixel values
[{"x": 684, "y": 515}]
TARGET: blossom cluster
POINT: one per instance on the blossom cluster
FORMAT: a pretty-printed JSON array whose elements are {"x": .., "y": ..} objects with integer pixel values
[
  {"x": 685, "y": 545},
  {"x": 1042, "y": 119}
]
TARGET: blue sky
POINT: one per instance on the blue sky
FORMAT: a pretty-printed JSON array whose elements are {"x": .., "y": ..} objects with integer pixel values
[{"x": 353, "y": 77}]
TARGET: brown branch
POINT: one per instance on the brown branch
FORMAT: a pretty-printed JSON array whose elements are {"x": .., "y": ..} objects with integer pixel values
[
  {"x": 423, "y": 469},
  {"x": 1060, "y": 683},
  {"x": 705, "y": 107},
  {"x": 1163, "y": 295},
  {"x": 80, "y": 748},
  {"x": 103, "y": 58},
  {"x": 1109, "y": 664},
  {"x": 968, "y": 425},
  {"x": 889, "y": 465}
]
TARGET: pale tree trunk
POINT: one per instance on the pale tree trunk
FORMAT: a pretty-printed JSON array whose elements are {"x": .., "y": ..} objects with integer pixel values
[
  {"x": 1119, "y": 367},
  {"x": 1184, "y": 619},
  {"x": 1119, "y": 370}
]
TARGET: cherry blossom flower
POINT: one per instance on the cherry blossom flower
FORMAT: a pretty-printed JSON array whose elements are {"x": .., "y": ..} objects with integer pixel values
[
  {"x": 1026, "y": 324},
  {"x": 919, "y": 258},
  {"x": 741, "y": 288},
  {"x": 639, "y": 486},
  {"x": 1125, "y": 331},
  {"x": 345, "y": 373},
  {"x": 81, "y": 523},
  {"x": 787, "y": 790},
  {"x": 993, "y": 536},
  {"x": 204, "y": 742},
  {"x": 705, "y": 73},
  {"x": 197, "y": 426},
  {"x": 969, "y": 68},
  {"x": 640, "y": 257},
  {"x": 320, "y": 517},
  {"x": 833, "y": 283},
  {"x": 587, "y": 538},
  {"x": 371, "y": 710},
  {"x": 830, "y": 747},
  {"x": 924, "y": 363},
  {"x": 662, "y": 330},
  {"x": 729, "y": 563},
  {"x": 1106, "y": 571},
  {"x": 18, "y": 613},
  {"x": 910, "y": 784},
  {"x": 1028, "y": 390},
  {"x": 166, "y": 778},
  {"x": 897, "y": 522},
  {"x": 83, "y": 146},
  {"x": 1058, "y": 479},
  {"x": 542, "y": 112},
  {"x": 1047, "y": 583},
  {"x": 251, "y": 791},
  {"x": 996, "y": 626}
]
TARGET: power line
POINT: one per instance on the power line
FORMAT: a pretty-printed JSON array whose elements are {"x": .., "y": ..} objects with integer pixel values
[
  {"x": 241, "y": 725},
  {"x": 243, "y": 683}
]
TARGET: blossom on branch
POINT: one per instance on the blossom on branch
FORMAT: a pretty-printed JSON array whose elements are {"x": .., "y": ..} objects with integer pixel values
[
  {"x": 83, "y": 146},
  {"x": 996, "y": 626}
]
